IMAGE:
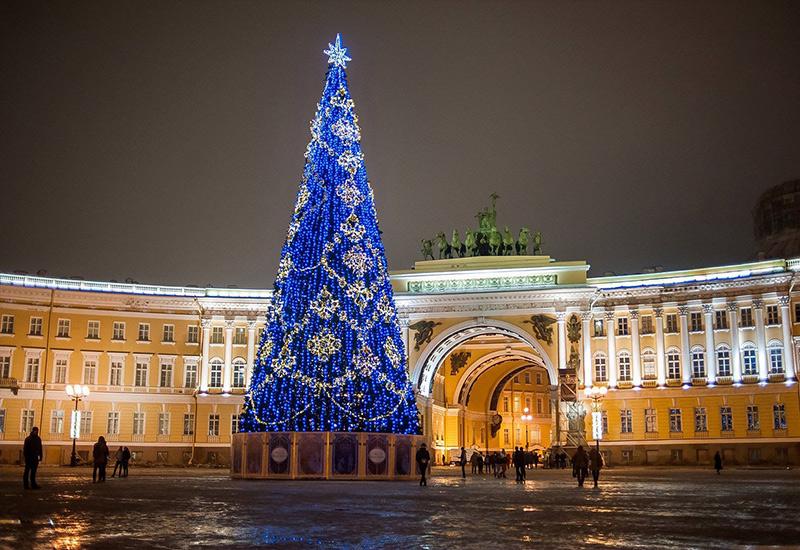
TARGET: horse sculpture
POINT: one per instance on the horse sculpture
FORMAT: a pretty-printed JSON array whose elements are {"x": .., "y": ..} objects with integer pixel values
[
  {"x": 445, "y": 250},
  {"x": 522, "y": 242},
  {"x": 470, "y": 243},
  {"x": 457, "y": 248},
  {"x": 508, "y": 242},
  {"x": 427, "y": 249}
]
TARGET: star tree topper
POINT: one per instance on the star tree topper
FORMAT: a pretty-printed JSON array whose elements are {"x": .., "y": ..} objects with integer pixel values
[{"x": 337, "y": 55}]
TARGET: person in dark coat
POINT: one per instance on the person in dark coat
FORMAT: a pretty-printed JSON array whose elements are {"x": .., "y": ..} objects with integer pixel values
[
  {"x": 32, "y": 452},
  {"x": 717, "y": 462},
  {"x": 100, "y": 460},
  {"x": 595, "y": 464},
  {"x": 519, "y": 464},
  {"x": 423, "y": 460},
  {"x": 126, "y": 457},
  {"x": 463, "y": 462},
  {"x": 118, "y": 463},
  {"x": 580, "y": 465}
]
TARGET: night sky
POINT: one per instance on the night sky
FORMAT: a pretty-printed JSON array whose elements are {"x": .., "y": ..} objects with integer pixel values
[{"x": 163, "y": 141}]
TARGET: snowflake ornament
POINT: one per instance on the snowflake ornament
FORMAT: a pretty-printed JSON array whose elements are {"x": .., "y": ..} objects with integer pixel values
[{"x": 337, "y": 54}]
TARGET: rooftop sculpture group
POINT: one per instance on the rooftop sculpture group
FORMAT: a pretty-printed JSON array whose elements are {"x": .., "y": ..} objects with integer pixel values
[{"x": 487, "y": 240}]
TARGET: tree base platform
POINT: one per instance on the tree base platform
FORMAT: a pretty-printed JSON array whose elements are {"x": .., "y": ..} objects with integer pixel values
[{"x": 324, "y": 455}]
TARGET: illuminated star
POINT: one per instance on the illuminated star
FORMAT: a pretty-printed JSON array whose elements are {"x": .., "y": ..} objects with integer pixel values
[{"x": 337, "y": 55}]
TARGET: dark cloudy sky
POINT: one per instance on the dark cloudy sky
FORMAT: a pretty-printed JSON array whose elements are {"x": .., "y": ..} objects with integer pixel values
[{"x": 164, "y": 141}]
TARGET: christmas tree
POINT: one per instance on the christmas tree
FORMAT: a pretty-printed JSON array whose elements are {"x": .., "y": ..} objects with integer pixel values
[{"x": 331, "y": 357}]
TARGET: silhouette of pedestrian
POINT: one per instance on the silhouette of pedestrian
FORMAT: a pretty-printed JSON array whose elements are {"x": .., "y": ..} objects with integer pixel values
[
  {"x": 126, "y": 457},
  {"x": 718, "y": 462},
  {"x": 118, "y": 463},
  {"x": 463, "y": 461},
  {"x": 595, "y": 464},
  {"x": 100, "y": 460},
  {"x": 32, "y": 452},
  {"x": 580, "y": 465},
  {"x": 423, "y": 459}
]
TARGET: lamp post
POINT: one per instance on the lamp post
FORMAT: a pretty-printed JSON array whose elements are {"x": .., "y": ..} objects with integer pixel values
[
  {"x": 596, "y": 394},
  {"x": 526, "y": 418},
  {"x": 76, "y": 393}
]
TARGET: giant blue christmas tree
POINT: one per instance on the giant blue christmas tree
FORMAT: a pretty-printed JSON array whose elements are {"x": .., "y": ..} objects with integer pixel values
[{"x": 331, "y": 357}]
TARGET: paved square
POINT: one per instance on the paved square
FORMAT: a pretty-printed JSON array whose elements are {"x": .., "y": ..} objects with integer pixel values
[{"x": 644, "y": 508}]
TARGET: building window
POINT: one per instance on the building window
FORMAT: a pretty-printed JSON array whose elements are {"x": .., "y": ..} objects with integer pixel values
[
  {"x": 746, "y": 317},
  {"x": 700, "y": 419},
  {"x": 749, "y": 363},
  {"x": 90, "y": 372},
  {"x": 193, "y": 335},
  {"x": 216, "y": 373},
  {"x": 140, "y": 377},
  {"x": 726, "y": 419},
  {"x": 649, "y": 365},
  {"x": 797, "y": 312},
  {"x": 698, "y": 363},
  {"x": 119, "y": 331},
  {"x": 528, "y": 403},
  {"x": 673, "y": 365},
  {"x": 753, "y": 421},
  {"x": 32, "y": 368},
  {"x": 163, "y": 423},
  {"x": 190, "y": 375},
  {"x": 165, "y": 378},
  {"x": 7, "y": 324},
  {"x": 217, "y": 335},
  {"x": 723, "y": 361},
  {"x": 35, "y": 327},
  {"x": 626, "y": 421},
  {"x": 5, "y": 365},
  {"x": 27, "y": 420},
  {"x": 695, "y": 321},
  {"x": 647, "y": 324},
  {"x": 675, "y": 420},
  {"x": 115, "y": 378},
  {"x": 213, "y": 424},
  {"x": 168, "y": 334},
  {"x": 188, "y": 423},
  {"x": 144, "y": 332},
  {"x": 239, "y": 336},
  {"x": 721, "y": 319},
  {"x": 599, "y": 327},
  {"x": 773, "y": 315},
  {"x": 622, "y": 326},
  {"x": 527, "y": 377},
  {"x": 600, "y": 374},
  {"x": 650, "y": 421},
  {"x": 63, "y": 328},
  {"x": 516, "y": 379},
  {"x": 538, "y": 378},
  {"x": 238, "y": 373},
  {"x": 604, "y": 421},
  {"x": 93, "y": 330},
  {"x": 60, "y": 371},
  {"x": 57, "y": 422},
  {"x": 234, "y": 423},
  {"x": 779, "y": 416},
  {"x": 516, "y": 403},
  {"x": 138, "y": 423},
  {"x": 86, "y": 423},
  {"x": 506, "y": 439},
  {"x": 505, "y": 404},
  {"x": 539, "y": 405},
  {"x": 672, "y": 323},
  {"x": 112, "y": 425},
  {"x": 624, "y": 361},
  {"x": 775, "y": 360}
]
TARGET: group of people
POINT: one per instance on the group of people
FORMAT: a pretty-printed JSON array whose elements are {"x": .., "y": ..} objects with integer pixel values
[
  {"x": 32, "y": 453},
  {"x": 583, "y": 463}
]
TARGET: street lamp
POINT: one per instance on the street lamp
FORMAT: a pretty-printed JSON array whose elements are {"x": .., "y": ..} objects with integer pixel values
[
  {"x": 596, "y": 394},
  {"x": 526, "y": 417},
  {"x": 76, "y": 393}
]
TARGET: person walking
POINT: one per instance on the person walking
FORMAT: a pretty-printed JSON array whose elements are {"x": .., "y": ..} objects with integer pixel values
[
  {"x": 118, "y": 463},
  {"x": 126, "y": 457},
  {"x": 718, "y": 462},
  {"x": 580, "y": 465},
  {"x": 100, "y": 460},
  {"x": 423, "y": 459},
  {"x": 473, "y": 461},
  {"x": 502, "y": 459},
  {"x": 535, "y": 460},
  {"x": 480, "y": 464},
  {"x": 519, "y": 464},
  {"x": 463, "y": 461},
  {"x": 595, "y": 464},
  {"x": 32, "y": 452}
]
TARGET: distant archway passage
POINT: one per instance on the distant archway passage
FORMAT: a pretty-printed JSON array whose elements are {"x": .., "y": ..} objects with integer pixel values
[{"x": 431, "y": 359}]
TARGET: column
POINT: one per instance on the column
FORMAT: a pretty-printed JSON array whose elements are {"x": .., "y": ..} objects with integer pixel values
[
  {"x": 251, "y": 350},
  {"x": 686, "y": 364},
  {"x": 586, "y": 317},
  {"x": 206, "y": 324},
  {"x": 761, "y": 340},
  {"x": 636, "y": 354},
  {"x": 562, "y": 339},
  {"x": 403, "y": 321},
  {"x": 226, "y": 369},
  {"x": 661, "y": 369},
  {"x": 736, "y": 354},
  {"x": 786, "y": 328},
  {"x": 711, "y": 356},
  {"x": 611, "y": 339}
]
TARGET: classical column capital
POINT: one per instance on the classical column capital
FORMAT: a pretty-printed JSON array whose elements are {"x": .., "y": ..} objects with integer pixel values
[
  {"x": 251, "y": 324},
  {"x": 683, "y": 310},
  {"x": 205, "y": 322},
  {"x": 708, "y": 309},
  {"x": 229, "y": 324},
  {"x": 561, "y": 316},
  {"x": 634, "y": 313},
  {"x": 784, "y": 301},
  {"x": 732, "y": 306},
  {"x": 758, "y": 303},
  {"x": 609, "y": 315},
  {"x": 658, "y": 311},
  {"x": 586, "y": 315},
  {"x": 403, "y": 321}
]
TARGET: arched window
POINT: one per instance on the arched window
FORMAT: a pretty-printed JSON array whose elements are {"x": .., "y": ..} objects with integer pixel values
[
  {"x": 749, "y": 361},
  {"x": 624, "y": 365},
  {"x": 673, "y": 364},
  {"x": 723, "y": 360},
  {"x": 238, "y": 372},
  {"x": 698, "y": 362},
  {"x": 600, "y": 371},
  {"x": 648, "y": 364},
  {"x": 216, "y": 373},
  {"x": 775, "y": 351}
]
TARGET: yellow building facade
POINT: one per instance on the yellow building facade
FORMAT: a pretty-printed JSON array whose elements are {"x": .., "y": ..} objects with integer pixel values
[{"x": 501, "y": 351}]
